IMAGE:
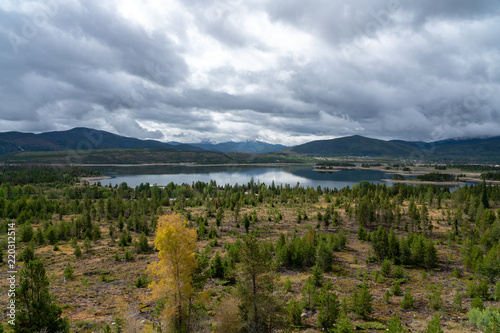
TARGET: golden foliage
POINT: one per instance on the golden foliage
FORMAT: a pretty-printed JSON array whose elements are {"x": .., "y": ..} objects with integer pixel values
[
  {"x": 227, "y": 318},
  {"x": 172, "y": 274}
]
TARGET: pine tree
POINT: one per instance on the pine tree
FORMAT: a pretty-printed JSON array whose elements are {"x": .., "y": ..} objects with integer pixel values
[
  {"x": 310, "y": 294},
  {"x": 434, "y": 326},
  {"x": 259, "y": 305},
  {"x": 362, "y": 302},
  {"x": 216, "y": 267},
  {"x": 294, "y": 313},
  {"x": 87, "y": 246},
  {"x": 143, "y": 244},
  {"x": 395, "y": 325},
  {"x": 78, "y": 252},
  {"x": 457, "y": 302},
  {"x": 329, "y": 306},
  {"x": 484, "y": 196},
  {"x": 408, "y": 301},
  {"x": 68, "y": 271},
  {"x": 28, "y": 254},
  {"x": 37, "y": 309},
  {"x": 344, "y": 325}
]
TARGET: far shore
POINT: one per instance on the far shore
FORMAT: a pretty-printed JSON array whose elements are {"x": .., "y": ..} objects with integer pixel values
[
  {"x": 477, "y": 180},
  {"x": 194, "y": 164},
  {"x": 93, "y": 180},
  {"x": 423, "y": 182}
]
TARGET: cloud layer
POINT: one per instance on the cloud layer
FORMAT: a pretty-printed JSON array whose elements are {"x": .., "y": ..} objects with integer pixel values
[{"x": 279, "y": 71}]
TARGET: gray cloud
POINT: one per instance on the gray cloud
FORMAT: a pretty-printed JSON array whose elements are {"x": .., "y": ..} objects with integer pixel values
[{"x": 281, "y": 71}]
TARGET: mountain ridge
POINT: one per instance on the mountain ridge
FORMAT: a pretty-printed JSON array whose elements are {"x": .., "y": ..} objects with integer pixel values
[
  {"x": 78, "y": 138},
  {"x": 485, "y": 149},
  {"x": 467, "y": 149}
]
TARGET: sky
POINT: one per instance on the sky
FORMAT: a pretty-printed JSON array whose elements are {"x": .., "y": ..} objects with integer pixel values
[{"x": 280, "y": 71}]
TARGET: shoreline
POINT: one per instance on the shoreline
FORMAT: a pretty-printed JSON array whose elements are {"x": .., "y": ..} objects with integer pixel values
[
  {"x": 424, "y": 182},
  {"x": 196, "y": 165},
  {"x": 477, "y": 180},
  {"x": 93, "y": 180}
]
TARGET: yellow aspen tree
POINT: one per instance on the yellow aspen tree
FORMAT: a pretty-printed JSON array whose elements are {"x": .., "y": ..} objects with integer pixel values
[{"x": 172, "y": 274}]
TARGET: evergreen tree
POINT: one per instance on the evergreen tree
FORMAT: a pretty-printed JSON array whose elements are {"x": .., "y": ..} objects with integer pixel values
[
  {"x": 143, "y": 244},
  {"x": 395, "y": 325},
  {"x": 310, "y": 294},
  {"x": 28, "y": 254},
  {"x": 216, "y": 267},
  {"x": 324, "y": 256},
  {"x": 408, "y": 301},
  {"x": 294, "y": 313},
  {"x": 484, "y": 196},
  {"x": 329, "y": 306},
  {"x": 37, "y": 308},
  {"x": 431, "y": 258},
  {"x": 362, "y": 302},
  {"x": 344, "y": 325},
  {"x": 258, "y": 280},
  {"x": 78, "y": 252},
  {"x": 68, "y": 271},
  {"x": 434, "y": 326},
  {"x": 380, "y": 243}
]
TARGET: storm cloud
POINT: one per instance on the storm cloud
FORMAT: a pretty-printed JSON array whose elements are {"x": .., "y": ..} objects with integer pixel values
[{"x": 279, "y": 71}]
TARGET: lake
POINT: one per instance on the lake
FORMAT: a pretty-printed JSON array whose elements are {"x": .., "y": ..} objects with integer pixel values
[{"x": 302, "y": 174}]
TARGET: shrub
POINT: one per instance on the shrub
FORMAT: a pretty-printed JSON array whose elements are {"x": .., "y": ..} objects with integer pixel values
[
  {"x": 398, "y": 273},
  {"x": 435, "y": 301},
  {"x": 128, "y": 256},
  {"x": 477, "y": 303},
  {"x": 142, "y": 282},
  {"x": 496, "y": 294},
  {"x": 484, "y": 318}
]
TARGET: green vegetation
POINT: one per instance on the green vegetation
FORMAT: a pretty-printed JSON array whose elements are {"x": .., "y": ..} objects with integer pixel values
[
  {"x": 265, "y": 257},
  {"x": 37, "y": 308},
  {"x": 143, "y": 156},
  {"x": 437, "y": 177}
]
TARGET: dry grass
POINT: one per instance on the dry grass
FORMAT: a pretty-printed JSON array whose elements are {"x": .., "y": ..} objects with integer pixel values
[{"x": 90, "y": 298}]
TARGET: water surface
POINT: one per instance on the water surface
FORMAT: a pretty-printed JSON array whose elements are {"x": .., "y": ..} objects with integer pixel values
[{"x": 305, "y": 175}]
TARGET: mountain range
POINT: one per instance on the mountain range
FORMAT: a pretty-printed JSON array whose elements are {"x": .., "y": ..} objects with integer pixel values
[
  {"x": 458, "y": 150},
  {"x": 78, "y": 138},
  {"x": 463, "y": 150},
  {"x": 249, "y": 147}
]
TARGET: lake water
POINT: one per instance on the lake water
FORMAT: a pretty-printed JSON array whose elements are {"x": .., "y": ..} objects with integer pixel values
[{"x": 303, "y": 174}]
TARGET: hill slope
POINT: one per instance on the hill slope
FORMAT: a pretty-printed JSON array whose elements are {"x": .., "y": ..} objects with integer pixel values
[
  {"x": 352, "y": 146},
  {"x": 465, "y": 150},
  {"x": 250, "y": 147},
  {"x": 79, "y": 138}
]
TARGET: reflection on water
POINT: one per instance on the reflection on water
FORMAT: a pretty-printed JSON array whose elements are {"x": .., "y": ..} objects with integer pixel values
[{"x": 304, "y": 175}]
